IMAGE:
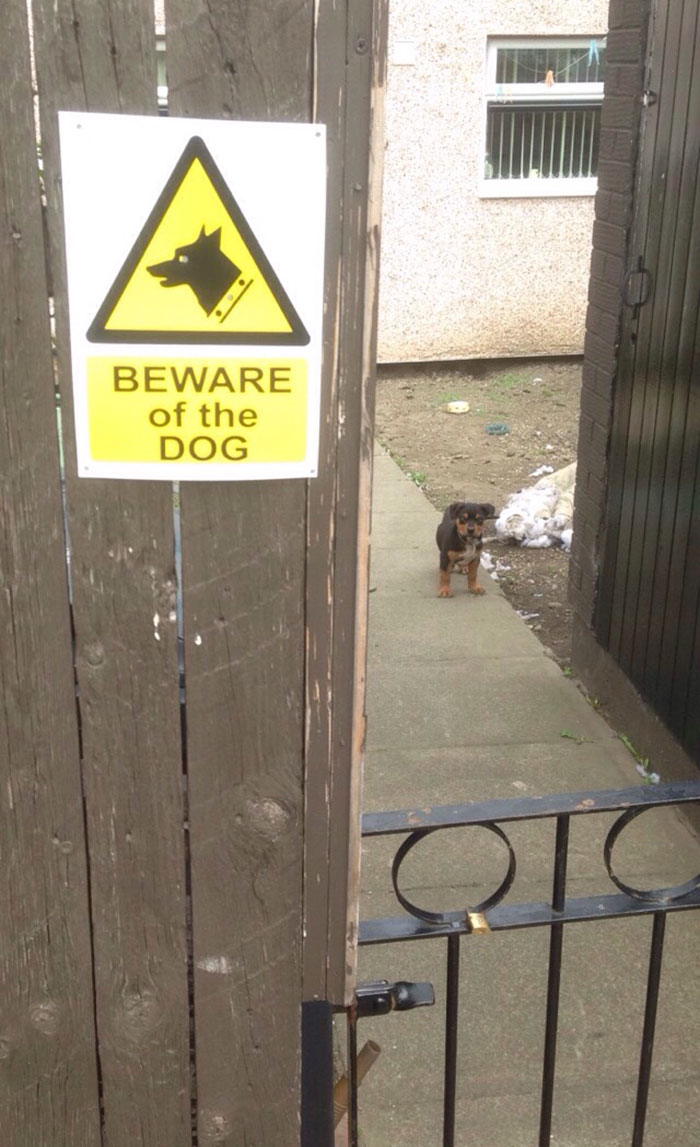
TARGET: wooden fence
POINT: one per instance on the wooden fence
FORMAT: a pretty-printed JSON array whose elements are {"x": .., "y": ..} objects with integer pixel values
[{"x": 153, "y": 855}]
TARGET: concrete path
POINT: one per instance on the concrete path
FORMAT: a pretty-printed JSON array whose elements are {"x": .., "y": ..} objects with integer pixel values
[{"x": 464, "y": 704}]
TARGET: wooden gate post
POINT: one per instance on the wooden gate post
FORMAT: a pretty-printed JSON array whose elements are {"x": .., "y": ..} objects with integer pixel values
[
  {"x": 275, "y": 573},
  {"x": 178, "y": 878}
]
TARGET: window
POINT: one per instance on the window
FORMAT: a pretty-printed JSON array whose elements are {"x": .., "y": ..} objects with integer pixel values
[
  {"x": 162, "y": 80},
  {"x": 543, "y": 101}
]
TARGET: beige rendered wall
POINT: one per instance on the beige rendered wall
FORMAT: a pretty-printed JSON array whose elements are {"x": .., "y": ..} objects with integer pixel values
[{"x": 464, "y": 277}]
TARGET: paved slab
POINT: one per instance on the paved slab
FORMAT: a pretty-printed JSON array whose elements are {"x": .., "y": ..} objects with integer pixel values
[{"x": 464, "y": 704}]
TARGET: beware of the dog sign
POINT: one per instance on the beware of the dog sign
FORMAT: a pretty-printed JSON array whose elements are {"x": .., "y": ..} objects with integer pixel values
[{"x": 195, "y": 278}]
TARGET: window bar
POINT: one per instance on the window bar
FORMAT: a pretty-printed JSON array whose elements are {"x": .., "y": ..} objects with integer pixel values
[
  {"x": 451, "y": 1026},
  {"x": 556, "y": 940},
  {"x": 488, "y": 158},
  {"x": 553, "y": 120},
  {"x": 533, "y": 123},
  {"x": 353, "y": 1130},
  {"x": 512, "y": 140},
  {"x": 500, "y": 149},
  {"x": 594, "y": 127},
  {"x": 562, "y": 145},
  {"x": 574, "y": 122},
  {"x": 542, "y": 131},
  {"x": 525, "y": 120},
  {"x": 657, "y": 946},
  {"x": 584, "y": 123}
]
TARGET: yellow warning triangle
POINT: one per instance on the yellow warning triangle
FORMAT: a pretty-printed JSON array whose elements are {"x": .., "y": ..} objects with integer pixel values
[{"x": 196, "y": 273}]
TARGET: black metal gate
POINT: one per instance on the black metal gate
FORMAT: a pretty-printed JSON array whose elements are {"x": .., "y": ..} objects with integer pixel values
[
  {"x": 494, "y": 914},
  {"x": 648, "y": 613}
]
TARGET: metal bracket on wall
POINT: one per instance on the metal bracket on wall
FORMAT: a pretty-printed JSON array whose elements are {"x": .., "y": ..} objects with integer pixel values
[{"x": 636, "y": 288}]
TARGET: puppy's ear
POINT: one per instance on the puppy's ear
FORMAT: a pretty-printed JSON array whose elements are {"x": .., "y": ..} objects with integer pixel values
[
  {"x": 453, "y": 509},
  {"x": 488, "y": 510}
]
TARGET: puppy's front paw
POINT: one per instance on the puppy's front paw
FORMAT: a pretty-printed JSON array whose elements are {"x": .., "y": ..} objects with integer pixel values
[
  {"x": 444, "y": 591},
  {"x": 476, "y": 589}
]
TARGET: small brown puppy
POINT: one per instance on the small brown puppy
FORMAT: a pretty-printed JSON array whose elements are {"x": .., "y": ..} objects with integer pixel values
[{"x": 459, "y": 542}]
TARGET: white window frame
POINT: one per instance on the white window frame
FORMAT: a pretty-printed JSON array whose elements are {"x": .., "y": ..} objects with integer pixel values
[{"x": 559, "y": 93}]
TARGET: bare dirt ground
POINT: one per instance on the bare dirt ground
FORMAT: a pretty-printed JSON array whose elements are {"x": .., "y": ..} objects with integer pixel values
[{"x": 453, "y": 456}]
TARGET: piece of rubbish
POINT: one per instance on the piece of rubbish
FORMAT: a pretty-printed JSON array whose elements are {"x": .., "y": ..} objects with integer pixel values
[
  {"x": 541, "y": 515},
  {"x": 497, "y": 428},
  {"x": 650, "y": 778},
  {"x": 526, "y": 616},
  {"x": 541, "y": 470},
  {"x": 458, "y": 406},
  {"x": 341, "y": 1090},
  {"x": 491, "y": 567}
]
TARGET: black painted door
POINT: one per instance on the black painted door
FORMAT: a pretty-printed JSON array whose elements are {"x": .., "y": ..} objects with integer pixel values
[{"x": 649, "y": 593}]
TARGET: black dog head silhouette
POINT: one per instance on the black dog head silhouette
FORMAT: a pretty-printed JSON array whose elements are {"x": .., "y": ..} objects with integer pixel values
[{"x": 202, "y": 266}]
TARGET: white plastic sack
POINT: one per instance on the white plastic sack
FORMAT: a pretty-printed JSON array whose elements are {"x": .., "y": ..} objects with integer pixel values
[{"x": 541, "y": 515}]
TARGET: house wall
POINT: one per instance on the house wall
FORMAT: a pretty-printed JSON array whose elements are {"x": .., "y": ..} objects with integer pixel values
[
  {"x": 464, "y": 277},
  {"x": 613, "y": 213}
]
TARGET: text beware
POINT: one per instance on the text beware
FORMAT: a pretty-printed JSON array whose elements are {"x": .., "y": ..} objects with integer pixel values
[{"x": 197, "y": 411}]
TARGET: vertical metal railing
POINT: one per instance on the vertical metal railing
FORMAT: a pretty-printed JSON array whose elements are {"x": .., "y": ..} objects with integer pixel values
[
  {"x": 494, "y": 915},
  {"x": 556, "y": 943},
  {"x": 451, "y": 1040},
  {"x": 649, "y": 1031}
]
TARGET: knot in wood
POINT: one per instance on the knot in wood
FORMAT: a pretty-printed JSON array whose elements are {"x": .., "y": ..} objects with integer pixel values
[
  {"x": 45, "y": 1017},
  {"x": 95, "y": 654},
  {"x": 268, "y": 817},
  {"x": 216, "y": 1127},
  {"x": 140, "y": 1013}
]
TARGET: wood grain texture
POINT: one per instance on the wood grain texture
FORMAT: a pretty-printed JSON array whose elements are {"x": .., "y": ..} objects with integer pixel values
[
  {"x": 98, "y": 56},
  {"x": 243, "y": 587},
  {"x": 48, "y": 1065},
  {"x": 351, "y": 69}
]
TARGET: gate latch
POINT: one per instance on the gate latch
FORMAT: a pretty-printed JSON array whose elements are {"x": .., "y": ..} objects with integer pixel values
[{"x": 379, "y": 997}]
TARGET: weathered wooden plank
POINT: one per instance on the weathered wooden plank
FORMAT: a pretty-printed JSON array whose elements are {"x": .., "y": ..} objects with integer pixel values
[
  {"x": 330, "y": 109},
  {"x": 351, "y": 71},
  {"x": 98, "y": 56},
  {"x": 48, "y": 1065},
  {"x": 243, "y": 590}
]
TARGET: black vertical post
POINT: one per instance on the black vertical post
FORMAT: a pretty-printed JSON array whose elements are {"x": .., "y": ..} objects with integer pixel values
[
  {"x": 353, "y": 1128},
  {"x": 316, "y": 1074},
  {"x": 451, "y": 1033},
  {"x": 556, "y": 941},
  {"x": 657, "y": 945}
]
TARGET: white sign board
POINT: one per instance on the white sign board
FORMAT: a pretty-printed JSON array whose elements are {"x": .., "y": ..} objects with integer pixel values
[{"x": 195, "y": 289}]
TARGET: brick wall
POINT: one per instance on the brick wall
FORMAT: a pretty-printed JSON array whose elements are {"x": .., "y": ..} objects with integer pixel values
[{"x": 626, "y": 45}]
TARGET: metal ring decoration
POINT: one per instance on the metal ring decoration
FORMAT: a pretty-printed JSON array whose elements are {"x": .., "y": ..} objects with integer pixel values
[
  {"x": 649, "y": 895},
  {"x": 449, "y": 917}
]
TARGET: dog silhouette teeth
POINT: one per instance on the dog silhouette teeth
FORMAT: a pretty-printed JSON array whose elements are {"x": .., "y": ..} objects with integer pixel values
[{"x": 202, "y": 266}]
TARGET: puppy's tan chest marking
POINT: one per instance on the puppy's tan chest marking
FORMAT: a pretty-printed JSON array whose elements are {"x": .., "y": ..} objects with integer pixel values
[{"x": 463, "y": 557}]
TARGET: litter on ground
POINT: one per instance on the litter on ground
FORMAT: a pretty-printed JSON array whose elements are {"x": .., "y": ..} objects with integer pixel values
[
  {"x": 494, "y": 568},
  {"x": 541, "y": 515}
]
